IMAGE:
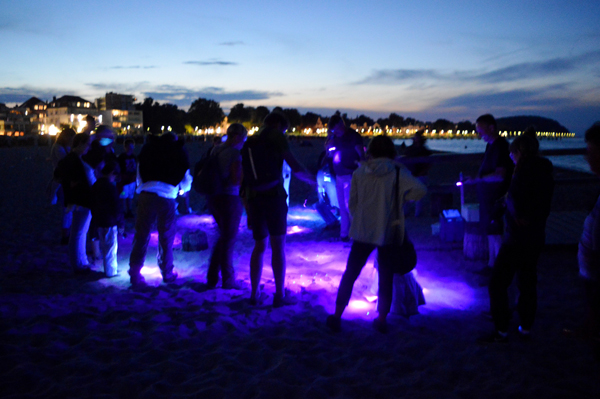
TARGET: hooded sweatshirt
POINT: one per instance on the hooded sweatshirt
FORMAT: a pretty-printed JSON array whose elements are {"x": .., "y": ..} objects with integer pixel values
[
  {"x": 528, "y": 201},
  {"x": 372, "y": 203}
]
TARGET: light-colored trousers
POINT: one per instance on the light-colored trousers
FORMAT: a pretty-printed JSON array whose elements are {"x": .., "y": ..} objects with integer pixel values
[
  {"x": 342, "y": 187},
  {"x": 108, "y": 246},
  {"x": 80, "y": 225}
]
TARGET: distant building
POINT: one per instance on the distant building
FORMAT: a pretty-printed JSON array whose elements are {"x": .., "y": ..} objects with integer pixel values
[
  {"x": 14, "y": 121},
  {"x": 34, "y": 110},
  {"x": 118, "y": 112},
  {"x": 67, "y": 111}
]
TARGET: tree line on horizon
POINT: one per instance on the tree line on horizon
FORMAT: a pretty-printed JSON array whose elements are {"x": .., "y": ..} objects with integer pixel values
[{"x": 205, "y": 113}]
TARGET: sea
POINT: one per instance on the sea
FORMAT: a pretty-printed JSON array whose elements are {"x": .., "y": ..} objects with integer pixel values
[{"x": 475, "y": 146}]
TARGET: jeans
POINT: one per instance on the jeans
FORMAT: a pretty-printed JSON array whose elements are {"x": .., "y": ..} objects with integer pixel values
[
  {"x": 227, "y": 211},
  {"x": 80, "y": 225},
  {"x": 151, "y": 208},
  {"x": 342, "y": 187},
  {"x": 520, "y": 259},
  {"x": 109, "y": 246},
  {"x": 359, "y": 254}
]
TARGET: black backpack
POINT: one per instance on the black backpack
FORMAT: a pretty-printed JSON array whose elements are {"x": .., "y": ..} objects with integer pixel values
[
  {"x": 207, "y": 175},
  {"x": 262, "y": 161}
]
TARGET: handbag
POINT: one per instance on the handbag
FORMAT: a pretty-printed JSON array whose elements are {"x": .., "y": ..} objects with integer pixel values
[{"x": 401, "y": 258}]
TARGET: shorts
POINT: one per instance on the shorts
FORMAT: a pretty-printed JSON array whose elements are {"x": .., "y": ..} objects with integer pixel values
[
  {"x": 267, "y": 216},
  {"x": 128, "y": 191}
]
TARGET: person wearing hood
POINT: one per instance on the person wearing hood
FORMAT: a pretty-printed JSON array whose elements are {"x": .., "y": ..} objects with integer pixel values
[
  {"x": 372, "y": 205},
  {"x": 527, "y": 208}
]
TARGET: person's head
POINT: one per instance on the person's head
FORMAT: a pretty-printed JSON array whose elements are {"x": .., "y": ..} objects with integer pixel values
[
  {"x": 523, "y": 147},
  {"x": 276, "y": 120},
  {"x": 381, "y": 147},
  {"x": 110, "y": 170},
  {"x": 530, "y": 132},
  {"x": 81, "y": 143},
  {"x": 65, "y": 137},
  {"x": 486, "y": 128},
  {"x": 236, "y": 135},
  {"x": 336, "y": 125},
  {"x": 592, "y": 140},
  {"x": 129, "y": 146},
  {"x": 90, "y": 122},
  {"x": 419, "y": 138}
]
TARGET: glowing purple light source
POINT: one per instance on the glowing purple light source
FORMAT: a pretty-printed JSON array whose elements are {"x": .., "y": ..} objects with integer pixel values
[
  {"x": 331, "y": 149},
  {"x": 459, "y": 183},
  {"x": 297, "y": 229}
]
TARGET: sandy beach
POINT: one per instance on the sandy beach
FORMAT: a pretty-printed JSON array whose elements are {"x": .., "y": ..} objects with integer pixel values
[{"x": 72, "y": 337}]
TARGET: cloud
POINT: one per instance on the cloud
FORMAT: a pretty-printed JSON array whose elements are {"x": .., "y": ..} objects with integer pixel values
[
  {"x": 133, "y": 67},
  {"x": 214, "y": 62},
  {"x": 21, "y": 94},
  {"x": 507, "y": 99},
  {"x": 183, "y": 96},
  {"x": 386, "y": 76},
  {"x": 512, "y": 73},
  {"x": 234, "y": 43}
]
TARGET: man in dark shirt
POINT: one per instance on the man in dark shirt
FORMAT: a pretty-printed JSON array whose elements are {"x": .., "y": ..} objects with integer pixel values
[
  {"x": 163, "y": 171},
  {"x": 345, "y": 146},
  {"x": 267, "y": 208},
  {"x": 492, "y": 182}
]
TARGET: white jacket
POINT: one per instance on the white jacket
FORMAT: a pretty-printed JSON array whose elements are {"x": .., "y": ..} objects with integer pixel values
[{"x": 372, "y": 203}]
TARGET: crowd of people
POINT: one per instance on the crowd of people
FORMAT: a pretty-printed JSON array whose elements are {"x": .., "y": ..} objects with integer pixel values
[{"x": 514, "y": 186}]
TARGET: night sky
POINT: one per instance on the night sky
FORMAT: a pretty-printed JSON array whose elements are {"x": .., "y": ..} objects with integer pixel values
[{"x": 425, "y": 59}]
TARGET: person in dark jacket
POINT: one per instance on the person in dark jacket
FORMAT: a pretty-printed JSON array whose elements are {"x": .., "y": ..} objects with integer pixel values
[
  {"x": 76, "y": 178},
  {"x": 492, "y": 182},
  {"x": 163, "y": 172},
  {"x": 107, "y": 215},
  {"x": 527, "y": 208}
]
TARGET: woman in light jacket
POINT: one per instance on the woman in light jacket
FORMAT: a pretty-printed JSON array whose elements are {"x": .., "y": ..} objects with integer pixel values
[{"x": 372, "y": 205}]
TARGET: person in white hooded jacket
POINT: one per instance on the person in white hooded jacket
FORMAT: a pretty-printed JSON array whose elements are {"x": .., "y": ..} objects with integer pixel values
[{"x": 372, "y": 205}]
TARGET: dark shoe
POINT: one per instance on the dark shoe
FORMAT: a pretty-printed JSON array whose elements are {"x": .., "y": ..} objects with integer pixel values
[
  {"x": 129, "y": 215},
  {"x": 494, "y": 338},
  {"x": 280, "y": 301},
  {"x": 64, "y": 241},
  {"x": 380, "y": 326},
  {"x": 81, "y": 271},
  {"x": 170, "y": 276},
  {"x": 334, "y": 323},
  {"x": 345, "y": 239},
  {"x": 233, "y": 285},
  {"x": 524, "y": 335},
  {"x": 138, "y": 282}
]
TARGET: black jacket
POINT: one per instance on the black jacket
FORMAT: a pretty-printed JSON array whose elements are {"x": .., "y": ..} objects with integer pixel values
[
  {"x": 163, "y": 159},
  {"x": 528, "y": 200},
  {"x": 70, "y": 172},
  {"x": 106, "y": 204}
]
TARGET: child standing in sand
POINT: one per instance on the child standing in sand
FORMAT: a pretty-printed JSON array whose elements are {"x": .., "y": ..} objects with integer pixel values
[{"x": 107, "y": 215}]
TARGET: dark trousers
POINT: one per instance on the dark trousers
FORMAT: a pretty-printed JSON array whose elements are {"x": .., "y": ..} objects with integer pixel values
[
  {"x": 153, "y": 208},
  {"x": 227, "y": 211},
  {"x": 359, "y": 254},
  {"x": 520, "y": 259}
]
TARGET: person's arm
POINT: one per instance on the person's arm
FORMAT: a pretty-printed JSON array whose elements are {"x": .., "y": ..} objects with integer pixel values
[
  {"x": 413, "y": 188},
  {"x": 496, "y": 176},
  {"x": 353, "y": 200},
  {"x": 235, "y": 172},
  {"x": 297, "y": 169},
  {"x": 186, "y": 183}
]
